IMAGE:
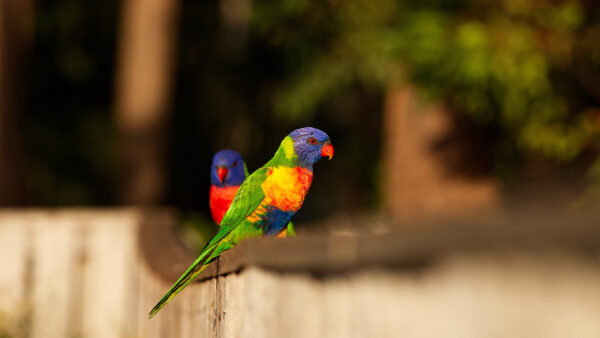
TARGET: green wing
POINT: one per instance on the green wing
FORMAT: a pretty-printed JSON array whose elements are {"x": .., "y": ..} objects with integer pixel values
[
  {"x": 244, "y": 203},
  {"x": 246, "y": 200}
]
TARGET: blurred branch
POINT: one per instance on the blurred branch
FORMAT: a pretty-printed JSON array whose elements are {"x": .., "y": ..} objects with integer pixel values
[{"x": 145, "y": 60}]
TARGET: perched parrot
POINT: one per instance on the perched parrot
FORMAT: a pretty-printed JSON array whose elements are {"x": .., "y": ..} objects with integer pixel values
[
  {"x": 227, "y": 173},
  {"x": 265, "y": 202}
]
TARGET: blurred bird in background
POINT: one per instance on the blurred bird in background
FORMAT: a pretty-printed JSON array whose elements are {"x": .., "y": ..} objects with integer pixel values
[{"x": 227, "y": 173}]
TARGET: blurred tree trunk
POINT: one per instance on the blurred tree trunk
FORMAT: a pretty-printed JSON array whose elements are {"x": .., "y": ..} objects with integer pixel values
[
  {"x": 15, "y": 24},
  {"x": 144, "y": 79},
  {"x": 417, "y": 182}
]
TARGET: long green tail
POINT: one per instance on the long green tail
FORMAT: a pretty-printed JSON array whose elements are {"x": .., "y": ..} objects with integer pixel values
[{"x": 198, "y": 266}]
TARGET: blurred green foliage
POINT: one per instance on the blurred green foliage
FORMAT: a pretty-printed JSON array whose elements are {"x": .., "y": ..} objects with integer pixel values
[
  {"x": 530, "y": 66},
  {"x": 526, "y": 70}
]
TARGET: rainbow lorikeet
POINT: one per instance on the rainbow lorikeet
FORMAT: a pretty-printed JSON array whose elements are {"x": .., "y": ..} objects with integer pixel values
[
  {"x": 265, "y": 202},
  {"x": 227, "y": 172}
]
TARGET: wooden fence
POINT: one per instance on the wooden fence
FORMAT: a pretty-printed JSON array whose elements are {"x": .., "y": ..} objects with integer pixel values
[{"x": 97, "y": 273}]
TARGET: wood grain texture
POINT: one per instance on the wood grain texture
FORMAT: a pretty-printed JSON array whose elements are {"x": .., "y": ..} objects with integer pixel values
[
  {"x": 110, "y": 265},
  {"x": 15, "y": 245},
  {"x": 53, "y": 261},
  {"x": 486, "y": 296},
  {"x": 97, "y": 273}
]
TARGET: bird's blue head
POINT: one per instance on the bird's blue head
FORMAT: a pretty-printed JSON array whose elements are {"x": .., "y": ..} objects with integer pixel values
[
  {"x": 228, "y": 169},
  {"x": 310, "y": 144}
]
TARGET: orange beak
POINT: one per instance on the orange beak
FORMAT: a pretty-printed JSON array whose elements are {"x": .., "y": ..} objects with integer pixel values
[
  {"x": 327, "y": 150},
  {"x": 221, "y": 172}
]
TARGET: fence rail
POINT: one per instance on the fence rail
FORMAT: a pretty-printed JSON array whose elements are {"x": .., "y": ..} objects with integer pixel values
[{"x": 97, "y": 273}]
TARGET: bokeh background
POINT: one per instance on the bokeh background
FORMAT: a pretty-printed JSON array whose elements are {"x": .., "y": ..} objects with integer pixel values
[
  {"x": 478, "y": 114},
  {"x": 435, "y": 108}
]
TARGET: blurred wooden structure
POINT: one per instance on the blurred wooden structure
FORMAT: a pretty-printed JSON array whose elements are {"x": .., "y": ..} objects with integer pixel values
[
  {"x": 418, "y": 179},
  {"x": 97, "y": 273},
  {"x": 143, "y": 91},
  {"x": 15, "y": 35}
]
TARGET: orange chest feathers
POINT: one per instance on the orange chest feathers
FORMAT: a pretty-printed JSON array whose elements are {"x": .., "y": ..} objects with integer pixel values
[{"x": 285, "y": 188}]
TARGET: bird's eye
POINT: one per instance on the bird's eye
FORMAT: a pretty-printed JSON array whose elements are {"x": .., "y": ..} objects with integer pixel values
[
  {"x": 312, "y": 140},
  {"x": 235, "y": 164}
]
